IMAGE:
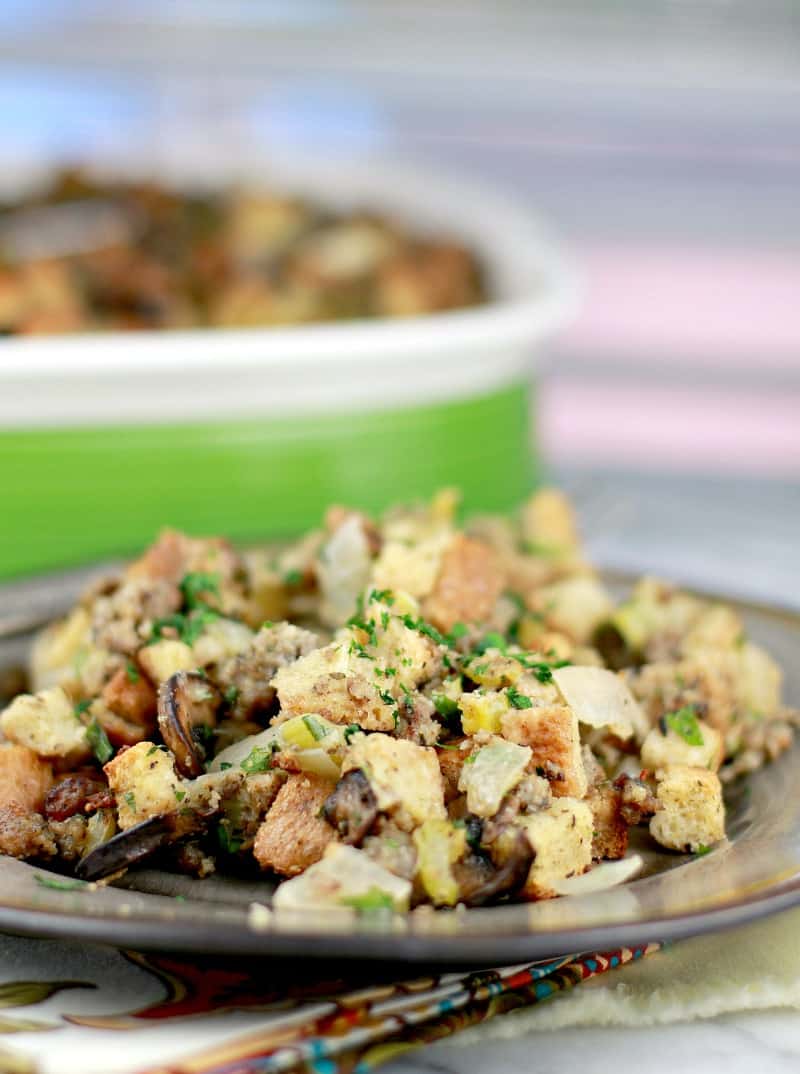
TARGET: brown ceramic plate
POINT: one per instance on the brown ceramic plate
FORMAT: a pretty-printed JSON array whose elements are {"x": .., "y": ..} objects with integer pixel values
[{"x": 755, "y": 872}]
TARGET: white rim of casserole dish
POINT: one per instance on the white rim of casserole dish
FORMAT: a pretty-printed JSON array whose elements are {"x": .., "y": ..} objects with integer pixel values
[{"x": 143, "y": 377}]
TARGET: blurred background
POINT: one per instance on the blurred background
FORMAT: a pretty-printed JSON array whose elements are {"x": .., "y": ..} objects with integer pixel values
[{"x": 662, "y": 140}]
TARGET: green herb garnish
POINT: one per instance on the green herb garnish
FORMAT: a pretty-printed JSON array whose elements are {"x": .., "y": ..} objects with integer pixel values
[
  {"x": 81, "y": 707},
  {"x": 130, "y": 800},
  {"x": 315, "y": 728},
  {"x": 98, "y": 740},
  {"x": 684, "y": 723},
  {"x": 518, "y": 700},
  {"x": 259, "y": 759},
  {"x": 350, "y": 730},
  {"x": 57, "y": 884},
  {"x": 445, "y": 705},
  {"x": 371, "y": 901},
  {"x": 293, "y": 577},
  {"x": 382, "y": 596},
  {"x": 702, "y": 850},
  {"x": 195, "y": 584}
]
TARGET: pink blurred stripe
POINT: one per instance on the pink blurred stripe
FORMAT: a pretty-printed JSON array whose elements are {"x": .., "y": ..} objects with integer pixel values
[
  {"x": 661, "y": 304},
  {"x": 643, "y": 427}
]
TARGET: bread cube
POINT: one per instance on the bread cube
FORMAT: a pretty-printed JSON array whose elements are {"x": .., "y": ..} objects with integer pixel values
[
  {"x": 405, "y": 778},
  {"x": 294, "y": 834},
  {"x": 468, "y": 584},
  {"x": 691, "y": 812},
  {"x": 561, "y": 838},
  {"x": 24, "y": 778},
  {"x": 144, "y": 783},
  {"x": 553, "y": 735},
  {"x": 47, "y": 724},
  {"x": 664, "y": 746}
]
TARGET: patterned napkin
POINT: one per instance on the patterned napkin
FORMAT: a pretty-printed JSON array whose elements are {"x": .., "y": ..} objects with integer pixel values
[{"x": 124, "y": 1013}]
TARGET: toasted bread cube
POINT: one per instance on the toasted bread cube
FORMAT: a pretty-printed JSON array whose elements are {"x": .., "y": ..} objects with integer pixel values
[
  {"x": 553, "y": 734},
  {"x": 164, "y": 658},
  {"x": 548, "y": 522},
  {"x": 330, "y": 683},
  {"x": 144, "y": 783},
  {"x": 47, "y": 724},
  {"x": 55, "y": 649},
  {"x": 660, "y": 749},
  {"x": 561, "y": 838},
  {"x": 411, "y": 568},
  {"x": 294, "y": 835},
  {"x": 405, "y": 778},
  {"x": 130, "y": 695},
  {"x": 24, "y": 778},
  {"x": 575, "y": 606},
  {"x": 468, "y": 584},
  {"x": 609, "y": 830},
  {"x": 691, "y": 812}
]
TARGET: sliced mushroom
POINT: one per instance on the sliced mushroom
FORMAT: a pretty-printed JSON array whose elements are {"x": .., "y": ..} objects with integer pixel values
[
  {"x": 187, "y": 711},
  {"x": 483, "y": 879},
  {"x": 139, "y": 842},
  {"x": 352, "y": 807},
  {"x": 614, "y": 647}
]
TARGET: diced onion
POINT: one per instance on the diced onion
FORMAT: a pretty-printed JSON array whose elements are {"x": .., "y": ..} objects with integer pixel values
[{"x": 606, "y": 875}]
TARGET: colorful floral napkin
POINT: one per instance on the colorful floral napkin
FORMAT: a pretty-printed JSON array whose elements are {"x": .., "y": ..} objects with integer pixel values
[{"x": 78, "y": 1009}]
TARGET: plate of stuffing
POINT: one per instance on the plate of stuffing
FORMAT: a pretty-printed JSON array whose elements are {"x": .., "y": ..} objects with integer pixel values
[{"x": 411, "y": 737}]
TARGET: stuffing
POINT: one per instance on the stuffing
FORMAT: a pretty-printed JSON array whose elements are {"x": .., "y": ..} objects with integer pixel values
[{"x": 437, "y": 716}]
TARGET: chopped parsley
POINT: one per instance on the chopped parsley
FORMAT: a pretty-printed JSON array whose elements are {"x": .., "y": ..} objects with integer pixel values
[
  {"x": 195, "y": 584},
  {"x": 386, "y": 697},
  {"x": 224, "y": 766},
  {"x": 57, "y": 884},
  {"x": 702, "y": 850},
  {"x": 231, "y": 695},
  {"x": 130, "y": 800},
  {"x": 350, "y": 730},
  {"x": 518, "y": 700},
  {"x": 228, "y": 842},
  {"x": 382, "y": 596},
  {"x": 179, "y": 795},
  {"x": 493, "y": 640},
  {"x": 371, "y": 901},
  {"x": 259, "y": 759},
  {"x": 367, "y": 626},
  {"x": 423, "y": 628},
  {"x": 187, "y": 627},
  {"x": 293, "y": 577},
  {"x": 445, "y": 705},
  {"x": 82, "y": 707},
  {"x": 132, "y": 672},
  {"x": 684, "y": 723},
  {"x": 98, "y": 740}
]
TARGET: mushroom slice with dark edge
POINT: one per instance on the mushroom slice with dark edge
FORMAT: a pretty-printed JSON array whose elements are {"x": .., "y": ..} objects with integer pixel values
[
  {"x": 139, "y": 842},
  {"x": 481, "y": 878},
  {"x": 187, "y": 711},
  {"x": 352, "y": 807}
]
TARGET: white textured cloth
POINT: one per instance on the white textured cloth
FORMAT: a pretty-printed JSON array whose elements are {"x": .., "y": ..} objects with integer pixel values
[{"x": 756, "y": 967}]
